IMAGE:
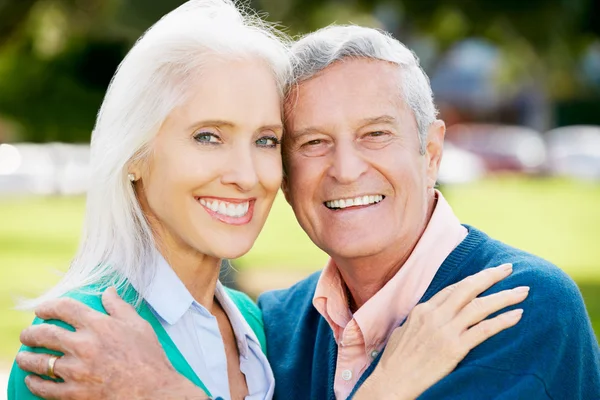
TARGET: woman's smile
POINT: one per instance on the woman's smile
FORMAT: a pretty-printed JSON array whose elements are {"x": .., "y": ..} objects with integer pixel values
[{"x": 227, "y": 210}]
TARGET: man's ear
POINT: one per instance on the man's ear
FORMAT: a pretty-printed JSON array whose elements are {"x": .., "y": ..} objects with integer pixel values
[
  {"x": 285, "y": 188},
  {"x": 434, "y": 150}
]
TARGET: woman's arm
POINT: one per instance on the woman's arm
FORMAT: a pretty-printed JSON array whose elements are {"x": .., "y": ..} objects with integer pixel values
[{"x": 439, "y": 333}]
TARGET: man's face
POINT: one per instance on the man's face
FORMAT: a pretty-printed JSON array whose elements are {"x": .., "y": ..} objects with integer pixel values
[{"x": 355, "y": 176}]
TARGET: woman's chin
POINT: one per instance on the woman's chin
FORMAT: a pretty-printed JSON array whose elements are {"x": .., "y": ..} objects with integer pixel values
[{"x": 233, "y": 252}]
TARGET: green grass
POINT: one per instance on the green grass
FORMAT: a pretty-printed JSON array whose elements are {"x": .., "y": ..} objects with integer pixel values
[{"x": 556, "y": 219}]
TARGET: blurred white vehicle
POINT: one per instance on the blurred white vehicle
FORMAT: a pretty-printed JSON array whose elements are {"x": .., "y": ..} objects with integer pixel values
[
  {"x": 574, "y": 151},
  {"x": 501, "y": 147},
  {"x": 52, "y": 168},
  {"x": 459, "y": 166}
]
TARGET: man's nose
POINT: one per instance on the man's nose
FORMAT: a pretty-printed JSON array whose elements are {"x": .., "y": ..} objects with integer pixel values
[
  {"x": 348, "y": 163},
  {"x": 241, "y": 170}
]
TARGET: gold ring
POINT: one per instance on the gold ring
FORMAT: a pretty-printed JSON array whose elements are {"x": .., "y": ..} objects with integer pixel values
[{"x": 51, "y": 362}]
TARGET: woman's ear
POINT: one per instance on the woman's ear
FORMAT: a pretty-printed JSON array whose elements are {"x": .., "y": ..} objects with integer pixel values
[{"x": 134, "y": 170}]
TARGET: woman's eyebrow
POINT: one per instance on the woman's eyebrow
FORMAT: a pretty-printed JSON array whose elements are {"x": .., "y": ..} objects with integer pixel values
[{"x": 212, "y": 122}]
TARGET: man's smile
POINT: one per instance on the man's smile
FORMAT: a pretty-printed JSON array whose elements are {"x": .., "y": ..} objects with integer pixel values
[{"x": 353, "y": 202}]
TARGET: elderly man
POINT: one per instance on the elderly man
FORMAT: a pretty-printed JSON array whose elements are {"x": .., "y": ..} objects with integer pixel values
[{"x": 362, "y": 151}]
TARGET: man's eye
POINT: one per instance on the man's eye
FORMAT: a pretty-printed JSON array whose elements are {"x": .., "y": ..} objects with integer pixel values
[
  {"x": 206, "y": 137},
  {"x": 376, "y": 133},
  {"x": 268, "y": 141},
  {"x": 313, "y": 142}
]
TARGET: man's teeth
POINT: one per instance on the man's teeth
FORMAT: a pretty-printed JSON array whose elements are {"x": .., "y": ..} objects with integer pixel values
[
  {"x": 357, "y": 201},
  {"x": 225, "y": 208}
]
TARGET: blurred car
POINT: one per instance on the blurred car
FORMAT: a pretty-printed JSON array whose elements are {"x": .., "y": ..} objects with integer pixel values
[
  {"x": 501, "y": 147},
  {"x": 459, "y": 166},
  {"x": 574, "y": 151},
  {"x": 52, "y": 168}
]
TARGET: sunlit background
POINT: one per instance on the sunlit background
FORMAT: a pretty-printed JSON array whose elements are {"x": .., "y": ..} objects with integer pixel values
[{"x": 518, "y": 83}]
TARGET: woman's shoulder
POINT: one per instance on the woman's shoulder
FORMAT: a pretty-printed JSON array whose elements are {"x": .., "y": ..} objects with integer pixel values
[
  {"x": 89, "y": 295},
  {"x": 250, "y": 312},
  {"x": 245, "y": 304}
]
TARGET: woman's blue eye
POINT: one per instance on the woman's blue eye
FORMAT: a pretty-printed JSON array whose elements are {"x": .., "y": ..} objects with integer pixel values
[
  {"x": 268, "y": 141},
  {"x": 206, "y": 137}
]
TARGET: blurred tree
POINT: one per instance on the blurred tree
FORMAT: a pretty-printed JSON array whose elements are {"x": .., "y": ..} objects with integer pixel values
[
  {"x": 57, "y": 56},
  {"x": 13, "y": 12}
]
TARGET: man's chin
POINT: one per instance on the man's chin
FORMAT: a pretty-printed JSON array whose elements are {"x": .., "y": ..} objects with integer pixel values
[{"x": 354, "y": 249}]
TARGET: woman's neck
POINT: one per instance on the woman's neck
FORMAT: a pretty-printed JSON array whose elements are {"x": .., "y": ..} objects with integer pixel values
[{"x": 198, "y": 272}]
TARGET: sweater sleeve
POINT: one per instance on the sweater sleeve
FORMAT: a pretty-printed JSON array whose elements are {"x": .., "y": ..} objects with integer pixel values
[
  {"x": 552, "y": 353},
  {"x": 17, "y": 390}
]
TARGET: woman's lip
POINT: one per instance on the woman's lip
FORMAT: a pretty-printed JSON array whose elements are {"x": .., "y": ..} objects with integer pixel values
[
  {"x": 226, "y": 199},
  {"x": 243, "y": 220}
]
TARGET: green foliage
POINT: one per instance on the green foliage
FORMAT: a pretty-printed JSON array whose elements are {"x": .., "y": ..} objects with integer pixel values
[{"x": 56, "y": 56}]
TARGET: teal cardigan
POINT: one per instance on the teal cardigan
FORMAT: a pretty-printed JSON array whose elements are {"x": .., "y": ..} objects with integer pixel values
[{"x": 17, "y": 390}]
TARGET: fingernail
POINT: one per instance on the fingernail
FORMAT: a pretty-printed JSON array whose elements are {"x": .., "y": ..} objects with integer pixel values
[
  {"x": 514, "y": 314},
  {"x": 505, "y": 267},
  {"x": 521, "y": 289}
]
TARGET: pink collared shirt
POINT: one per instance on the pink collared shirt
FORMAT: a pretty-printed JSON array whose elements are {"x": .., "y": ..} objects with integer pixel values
[{"x": 360, "y": 337}]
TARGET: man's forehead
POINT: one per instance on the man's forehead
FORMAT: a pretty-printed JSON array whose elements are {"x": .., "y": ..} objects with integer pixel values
[
  {"x": 356, "y": 79},
  {"x": 304, "y": 115}
]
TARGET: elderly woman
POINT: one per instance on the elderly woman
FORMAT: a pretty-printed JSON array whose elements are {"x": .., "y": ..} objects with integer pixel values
[{"x": 185, "y": 167}]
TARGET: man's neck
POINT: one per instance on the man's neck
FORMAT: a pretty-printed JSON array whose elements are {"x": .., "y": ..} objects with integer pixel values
[{"x": 365, "y": 276}]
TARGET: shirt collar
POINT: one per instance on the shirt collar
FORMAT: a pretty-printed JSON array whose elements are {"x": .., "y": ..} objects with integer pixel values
[
  {"x": 241, "y": 329},
  {"x": 166, "y": 294},
  {"x": 170, "y": 300},
  {"x": 389, "y": 307}
]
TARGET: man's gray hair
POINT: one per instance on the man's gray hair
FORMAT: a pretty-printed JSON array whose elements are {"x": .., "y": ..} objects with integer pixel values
[{"x": 316, "y": 51}]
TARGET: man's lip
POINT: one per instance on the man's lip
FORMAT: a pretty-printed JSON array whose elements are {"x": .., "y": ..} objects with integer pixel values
[{"x": 355, "y": 196}]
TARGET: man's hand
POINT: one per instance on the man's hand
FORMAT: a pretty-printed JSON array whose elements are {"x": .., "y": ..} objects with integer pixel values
[
  {"x": 115, "y": 356},
  {"x": 439, "y": 333}
]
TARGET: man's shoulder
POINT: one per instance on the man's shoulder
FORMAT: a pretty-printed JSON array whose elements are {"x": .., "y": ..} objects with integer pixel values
[
  {"x": 552, "y": 346},
  {"x": 289, "y": 310},
  {"x": 528, "y": 270},
  {"x": 296, "y": 296},
  {"x": 554, "y": 308}
]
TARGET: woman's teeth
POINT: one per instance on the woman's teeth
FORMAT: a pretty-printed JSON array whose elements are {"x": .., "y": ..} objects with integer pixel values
[
  {"x": 224, "y": 208},
  {"x": 357, "y": 201}
]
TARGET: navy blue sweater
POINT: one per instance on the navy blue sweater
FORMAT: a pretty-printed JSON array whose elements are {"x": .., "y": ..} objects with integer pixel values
[{"x": 551, "y": 353}]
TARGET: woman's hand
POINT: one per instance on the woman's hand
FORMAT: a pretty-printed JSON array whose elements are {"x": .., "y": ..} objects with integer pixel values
[
  {"x": 439, "y": 333},
  {"x": 115, "y": 356}
]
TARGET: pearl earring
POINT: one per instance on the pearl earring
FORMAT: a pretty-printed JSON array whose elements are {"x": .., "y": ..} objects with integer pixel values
[{"x": 131, "y": 177}]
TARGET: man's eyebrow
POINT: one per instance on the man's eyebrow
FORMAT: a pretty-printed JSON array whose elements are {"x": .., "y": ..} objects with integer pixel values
[
  {"x": 382, "y": 119},
  {"x": 303, "y": 132}
]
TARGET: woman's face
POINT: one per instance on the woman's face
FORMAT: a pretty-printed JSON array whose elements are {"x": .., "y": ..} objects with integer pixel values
[{"x": 215, "y": 164}]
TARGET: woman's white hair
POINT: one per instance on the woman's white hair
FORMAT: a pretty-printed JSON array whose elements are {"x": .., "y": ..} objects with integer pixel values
[
  {"x": 316, "y": 51},
  {"x": 117, "y": 244}
]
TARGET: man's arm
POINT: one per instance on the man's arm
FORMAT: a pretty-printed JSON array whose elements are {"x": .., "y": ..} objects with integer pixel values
[{"x": 108, "y": 356}]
